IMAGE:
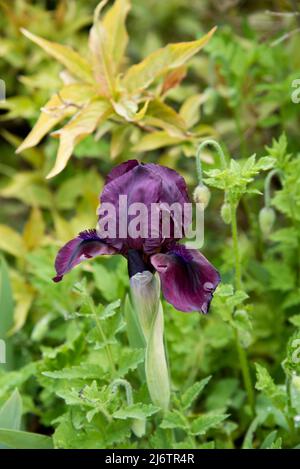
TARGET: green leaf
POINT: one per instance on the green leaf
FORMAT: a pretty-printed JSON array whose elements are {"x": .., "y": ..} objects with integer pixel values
[
  {"x": 11, "y": 412},
  {"x": 174, "y": 419},
  {"x": 160, "y": 62},
  {"x": 86, "y": 371},
  {"x": 202, "y": 424},
  {"x": 24, "y": 440},
  {"x": 266, "y": 384},
  {"x": 6, "y": 316},
  {"x": 129, "y": 360},
  {"x": 193, "y": 392},
  {"x": 136, "y": 411},
  {"x": 77, "y": 65}
]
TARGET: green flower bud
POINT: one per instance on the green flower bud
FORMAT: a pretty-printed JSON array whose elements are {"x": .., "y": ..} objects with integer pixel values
[
  {"x": 266, "y": 220},
  {"x": 201, "y": 195},
  {"x": 145, "y": 290},
  {"x": 226, "y": 213}
]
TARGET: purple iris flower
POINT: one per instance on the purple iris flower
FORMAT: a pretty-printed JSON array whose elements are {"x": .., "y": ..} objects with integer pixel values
[{"x": 188, "y": 280}]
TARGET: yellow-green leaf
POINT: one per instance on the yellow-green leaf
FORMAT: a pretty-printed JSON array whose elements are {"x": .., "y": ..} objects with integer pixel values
[
  {"x": 82, "y": 125},
  {"x": 117, "y": 37},
  {"x": 77, "y": 65},
  {"x": 101, "y": 58},
  {"x": 190, "y": 109},
  {"x": 163, "y": 116},
  {"x": 34, "y": 229},
  {"x": 23, "y": 295},
  {"x": 57, "y": 108},
  {"x": 11, "y": 241},
  {"x": 141, "y": 75},
  {"x": 156, "y": 140}
]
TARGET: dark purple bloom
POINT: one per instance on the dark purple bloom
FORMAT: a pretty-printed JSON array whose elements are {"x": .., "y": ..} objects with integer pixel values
[{"x": 188, "y": 279}]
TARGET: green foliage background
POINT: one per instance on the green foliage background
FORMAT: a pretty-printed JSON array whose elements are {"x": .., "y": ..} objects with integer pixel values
[{"x": 59, "y": 387}]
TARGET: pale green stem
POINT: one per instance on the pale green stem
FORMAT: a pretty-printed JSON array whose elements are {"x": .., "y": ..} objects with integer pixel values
[
  {"x": 220, "y": 152},
  {"x": 268, "y": 181},
  {"x": 127, "y": 386},
  {"x": 238, "y": 285}
]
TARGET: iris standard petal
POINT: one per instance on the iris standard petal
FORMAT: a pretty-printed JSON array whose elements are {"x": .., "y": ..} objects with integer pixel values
[
  {"x": 85, "y": 246},
  {"x": 188, "y": 279},
  {"x": 146, "y": 184},
  {"x": 121, "y": 169}
]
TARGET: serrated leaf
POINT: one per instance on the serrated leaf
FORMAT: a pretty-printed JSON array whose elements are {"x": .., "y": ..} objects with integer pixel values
[
  {"x": 86, "y": 371},
  {"x": 136, "y": 411},
  {"x": 265, "y": 163},
  {"x": 266, "y": 384},
  {"x": 129, "y": 360},
  {"x": 174, "y": 419},
  {"x": 77, "y": 65},
  {"x": 202, "y": 424},
  {"x": 109, "y": 310},
  {"x": 193, "y": 392},
  {"x": 140, "y": 76}
]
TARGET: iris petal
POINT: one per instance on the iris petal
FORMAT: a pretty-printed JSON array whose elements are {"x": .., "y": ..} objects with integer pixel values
[
  {"x": 188, "y": 279},
  {"x": 85, "y": 246}
]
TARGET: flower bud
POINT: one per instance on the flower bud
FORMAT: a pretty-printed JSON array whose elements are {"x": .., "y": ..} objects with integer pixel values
[
  {"x": 226, "y": 213},
  {"x": 145, "y": 290},
  {"x": 266, "y": 220},
  {"x": 201, "y": 195}
]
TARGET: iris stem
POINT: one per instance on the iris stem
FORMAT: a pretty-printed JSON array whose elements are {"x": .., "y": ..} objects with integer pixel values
[
  {"x": 221, "y": 154},
  {"x": 238, "y": 285},
  {"x": 267, "y": 189}
]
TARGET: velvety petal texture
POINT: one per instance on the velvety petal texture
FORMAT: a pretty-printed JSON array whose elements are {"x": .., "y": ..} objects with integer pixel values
[
  {"x": 188, "y": 279},
  {"x": 85, "y": 246},
  {"x": 147, "y": 184}
]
